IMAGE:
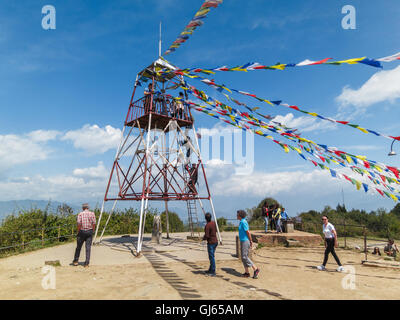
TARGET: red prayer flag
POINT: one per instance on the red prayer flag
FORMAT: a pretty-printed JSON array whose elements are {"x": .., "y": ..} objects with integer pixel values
[{"x": 395, "y": 171}]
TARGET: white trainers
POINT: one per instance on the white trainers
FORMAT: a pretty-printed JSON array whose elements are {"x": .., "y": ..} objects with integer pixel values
[
  {"x": 340, "y": 269},
  {"x": 321, "y": 268}
]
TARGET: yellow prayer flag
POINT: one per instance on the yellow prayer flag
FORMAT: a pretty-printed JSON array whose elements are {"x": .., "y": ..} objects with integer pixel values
[
  {"x": 267, "y": 101},
  {"x": 202, "y": 12},
  {"x": 208, "y": 71},
  {"x": 238, "y": 69},
  {"x": 350, "y": 61},
  {"x": 279, "y": 66},
  {"x": 227, "y": 89},
  {"x": 286, "y": 148},
  {"x": 361, "y": 157},
  {"x": 362, "y": 129}
]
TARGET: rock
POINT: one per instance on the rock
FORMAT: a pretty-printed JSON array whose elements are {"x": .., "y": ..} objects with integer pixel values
[
  {"x": 54, "y": 263},
  {"x": 156, "y": 234},
  {"x": 293, "y": 243}
]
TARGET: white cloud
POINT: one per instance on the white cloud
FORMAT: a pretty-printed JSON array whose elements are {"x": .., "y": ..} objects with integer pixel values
[
  {"x": 83, "y": 183},
  {"x": 218, "y": 130},
  {"x": 18, "y": 149},
  {"x": 304, "y": 124},
  {"x": 94, "y": 139},
  {"x": 382, "y": 86},
  {"x": 260, "y": 184},
  {"x": 60, "y": 187},
  {"x": 99, "y": 172},
  {"x": 43, "y": 135}
]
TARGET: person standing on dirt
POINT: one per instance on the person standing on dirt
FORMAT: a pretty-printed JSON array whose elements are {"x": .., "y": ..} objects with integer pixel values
[
  {"x": 210, "y": 234},
  {"x": 86, "y": 222},
  {"x": 330, "y": 244},
  {"x": 271, "y": 221},
  {"x": 265, "y": 214},
  {"x": 284, "y": 220},
  {"x": 277, "y": 218},
  {"x": 245, "y": 245}
]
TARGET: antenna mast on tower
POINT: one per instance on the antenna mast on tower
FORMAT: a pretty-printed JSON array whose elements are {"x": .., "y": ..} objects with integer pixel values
[{"x": 159, "y": 43}]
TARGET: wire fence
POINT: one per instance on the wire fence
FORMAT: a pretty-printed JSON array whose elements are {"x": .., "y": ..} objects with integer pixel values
[{"x": 36, "y": 237}]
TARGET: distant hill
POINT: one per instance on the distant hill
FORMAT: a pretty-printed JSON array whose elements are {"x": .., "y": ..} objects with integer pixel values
[{"x": 14, "y": 206}]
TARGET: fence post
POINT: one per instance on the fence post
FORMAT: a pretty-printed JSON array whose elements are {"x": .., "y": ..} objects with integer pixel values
[
  {"x": 365, "y": 243},
  {"x": 345, "y": 235},
  {"x": 58, "y": 237},
  {"x": 23, "y": 240},
  {"x": 42, "y": 236}
]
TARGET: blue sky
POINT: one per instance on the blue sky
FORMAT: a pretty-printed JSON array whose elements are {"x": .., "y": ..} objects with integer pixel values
[{"x": 64, "y": 93}]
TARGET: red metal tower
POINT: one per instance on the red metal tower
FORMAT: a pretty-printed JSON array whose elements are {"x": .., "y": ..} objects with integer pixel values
[{"x": 162, "y": 160}]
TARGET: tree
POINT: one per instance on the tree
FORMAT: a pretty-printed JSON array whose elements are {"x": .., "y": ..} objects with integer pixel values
[
  {"x": 175, "y": 223},
  {"x": 255, "y": 213},
  {"x": 64, "y": 210},
  {"x": 396, "y": 210},
  {"x": 341, "y": 208},
  {"x": 222, "y": 222}
]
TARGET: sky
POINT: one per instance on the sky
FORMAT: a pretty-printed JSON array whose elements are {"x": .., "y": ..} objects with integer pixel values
[{"x": 64, "y": 93}]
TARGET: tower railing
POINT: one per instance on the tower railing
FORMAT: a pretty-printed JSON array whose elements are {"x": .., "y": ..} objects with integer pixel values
[{"x": 161, "y": 106}]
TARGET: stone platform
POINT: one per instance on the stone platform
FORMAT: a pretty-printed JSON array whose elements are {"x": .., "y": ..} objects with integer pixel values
[{"x": 296, "y": 238}]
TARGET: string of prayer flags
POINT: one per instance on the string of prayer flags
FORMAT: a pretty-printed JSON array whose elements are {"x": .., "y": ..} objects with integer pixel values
[
  {"x": 294, "y": 107},
  {"x": 197, "y": 21},
  {"x": 342, "y": 156},
  {"x": 335, "y": 174},
  {"x": 251, "y": 66}
]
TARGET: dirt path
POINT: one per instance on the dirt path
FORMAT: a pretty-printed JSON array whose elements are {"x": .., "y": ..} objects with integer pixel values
[{"x": 177, "y": 273}]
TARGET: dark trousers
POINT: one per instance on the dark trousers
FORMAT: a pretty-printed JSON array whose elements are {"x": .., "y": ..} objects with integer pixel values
[
  {"x": 283, "y": 225},
  {"x": 272, "y": 224},
  {"x": 211, "y": 256},
  {"x": 330, "y": 248},
  {"x": 83, "y": 236}
]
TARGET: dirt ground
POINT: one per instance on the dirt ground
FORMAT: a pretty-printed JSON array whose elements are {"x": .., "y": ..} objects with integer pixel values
[{"x": 175, "y": 271}]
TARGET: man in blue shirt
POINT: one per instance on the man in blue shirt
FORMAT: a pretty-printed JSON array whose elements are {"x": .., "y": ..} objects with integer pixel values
[
  {"x": 245, "y": 245},
  {"x": 284, "y": 218}
]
